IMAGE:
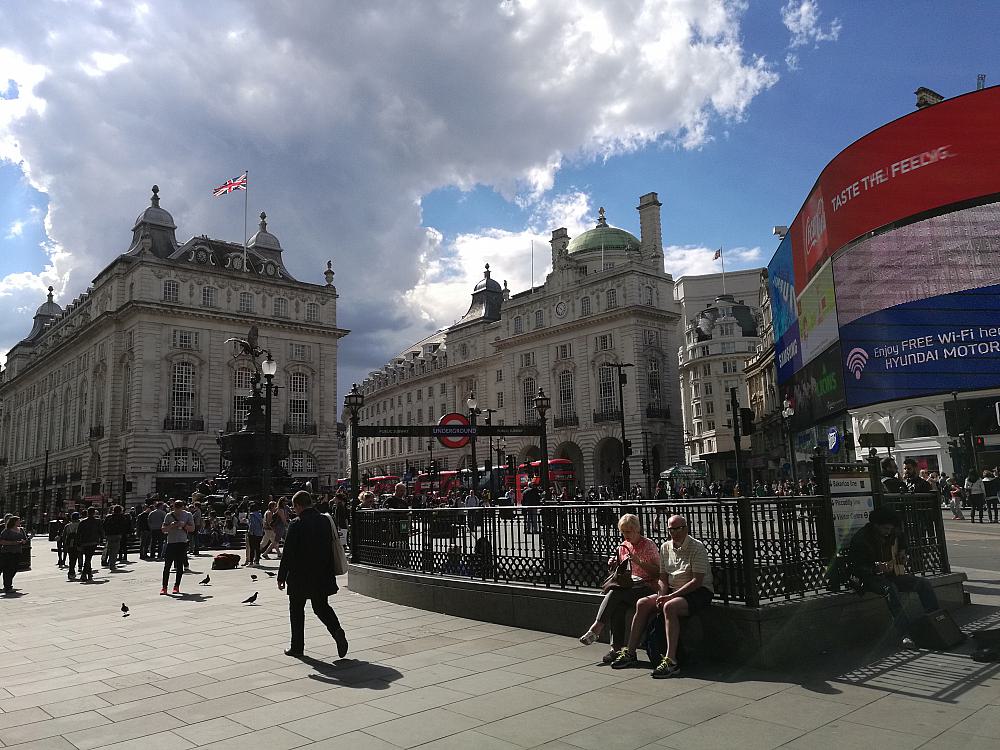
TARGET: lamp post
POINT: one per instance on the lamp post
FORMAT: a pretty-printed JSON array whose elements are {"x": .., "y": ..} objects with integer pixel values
[
  {"x": 353, "y": 401},
  {"x": 542, "y": 405},
  {"x": 786, "y": 414},
  {"x": 473, "y": 413},
  {"x": 430, "y": 465},
  {"x": 493, "y": 469},
  {"x": 268, "y": 368},
  {"x": 626, "y": 445}
]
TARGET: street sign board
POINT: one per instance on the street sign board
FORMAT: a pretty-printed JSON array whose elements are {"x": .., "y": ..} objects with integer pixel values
[
  {"x": 454, "y": 430},
  {"x": 833, "y": 439},
  {"x": 877, "y": 440},
  {"x": 852, "y": 501}
]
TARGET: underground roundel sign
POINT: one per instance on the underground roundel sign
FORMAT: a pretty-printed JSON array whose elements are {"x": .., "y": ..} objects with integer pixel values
[{"x": 453, "y": 430}]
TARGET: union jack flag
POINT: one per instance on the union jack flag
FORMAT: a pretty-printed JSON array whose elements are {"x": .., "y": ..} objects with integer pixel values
[
  {"x": 237, "y": 183},
  {"x": 718, "y": 253}
]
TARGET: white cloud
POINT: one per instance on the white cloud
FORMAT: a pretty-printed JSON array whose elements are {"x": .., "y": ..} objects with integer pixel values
[
  {"x": 343, "y": 140},
  {"x": 16, "y": 229},
  {"x": 693, "y": 260},
  {"x": 801, "y": 18}
]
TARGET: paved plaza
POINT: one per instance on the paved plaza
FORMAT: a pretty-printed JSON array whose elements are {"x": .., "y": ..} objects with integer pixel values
[{"x": 204, "y": 670}]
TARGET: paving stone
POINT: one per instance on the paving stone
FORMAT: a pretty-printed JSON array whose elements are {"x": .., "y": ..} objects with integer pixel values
[
  {"x": 794, "y": 710},
  {"x": 130, "y": 729},
  {"x": 216, "y": 707},
  {"x": 537, "y": 726},
  {"x": 628, "y": 733},
  {"x": 954, "y": 740},
  {"x": 144, "y": 707},
  {"x": 731, "y": 731},
  {"x": 355, "y": 740},
  {"x": 340, "y": 721},
  {"x": 50, "y": 743},
  {"x": 27, "y": 716},
  {"x": 410, "y": 731},
  {"x": 158, "y": 741},
  {"x": 695, "y": 706},
  {"x": 289, "y": 710},
  {"x": 983, "y": 723},
  {"x": 502, "y": 703},
  {"x": 911, "y": 716},
  {"x": 51, "y": 728},
  {"x": 572, "y": 682},
  {"x": 607, "y": 704},
  {"x": 211, "y": 731},
  {"x": 840, "y": 734},
  {"x": 272, "y": 738}
]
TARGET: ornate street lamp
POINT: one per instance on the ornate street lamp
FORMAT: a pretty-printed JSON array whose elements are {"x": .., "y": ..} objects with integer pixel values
[
  {"x": 473, "y": 413},
  {"x": 268, "y": 369},
  {"x": 542, "y": 405},
  {"x": 353, "y": 402},
  {"x": 786, "y": 414}
]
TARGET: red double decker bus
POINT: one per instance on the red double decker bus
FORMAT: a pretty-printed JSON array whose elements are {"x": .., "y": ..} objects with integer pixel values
[
  {"x": 561, "y": 474},
  {"x": 384, "y": 485}
]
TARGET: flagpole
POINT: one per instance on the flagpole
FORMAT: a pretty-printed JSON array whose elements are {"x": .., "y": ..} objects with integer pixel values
[
  {"x": 246, "y": 201},
  {"x": 532, "y": 266},
  {"x": 722, "y": 257}
]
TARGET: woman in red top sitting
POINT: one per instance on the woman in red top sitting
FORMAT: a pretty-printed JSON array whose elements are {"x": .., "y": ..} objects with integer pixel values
[{"x": 618, "y": 606}]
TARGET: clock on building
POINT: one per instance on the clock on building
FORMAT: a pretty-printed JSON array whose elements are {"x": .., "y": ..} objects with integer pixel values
[{"x": 561, "y": 308}]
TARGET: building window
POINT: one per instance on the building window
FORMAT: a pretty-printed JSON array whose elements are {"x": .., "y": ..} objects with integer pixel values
[
  {"x": 299, "y": 352},
  {"x": 528, "y": 397},
  {"x": 209, "y": 295},
  {"x": 710, "y": 407},
  {"x": 465, "y": 350},
  {"x": 539, "y": 318},
  {"x": 280, "y": 307},
  {"x": 612, "y": 299},
  {"x": 706, "y": 369},
  {"x": 728, "y": 366},
  {"x": 182, "y": 391},
  {"x": 605, "y": 390},
  {"x": 246, "y": 302},
  {"x": 500, "y": 400},
  {"x": 312, "y": 313},
  {"x": 518, "y": 328},
  {"x": 430, "y": 414},
  {"x": 727, "y": 347},
  {"x": 567, "y": 400},
  {"x": 649, "y": 296},
  {"x": 697, "y": 409},
  {"x": 298, "y": 399},
  {"x": 527, "y": 359},
  {"x": 604, "y": 342},
  {"x": 242, "y": 383},
  {"x": 499, "y": 376},
  {"x": 585, "y": 306},
  {"x": 126, "y": 396},
  {"x": 420, "y": 394},
  {"x": 181, "y": 461},
  {"x": 710, "y": 425},
  {"x": 653, "y": 383},
  {"x": 171, "y": 290},
  {"x": 183, "y": 339},
  {"x": 650, "y": 336},
  {"x": 726, "y": 329},
  {"x": 564, "y": 351},
  {"x": 607, "y": 265},
  {"x": 705, "y": 351},
  {"x": 708, "y": 389},
  {"x": 81, "y": 423}
]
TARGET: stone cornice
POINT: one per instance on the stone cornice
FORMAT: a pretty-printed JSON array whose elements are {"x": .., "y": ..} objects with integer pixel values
[{"x": 645, "y": 312}]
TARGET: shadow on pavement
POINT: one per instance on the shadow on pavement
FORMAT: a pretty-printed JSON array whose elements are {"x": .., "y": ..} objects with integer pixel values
[
  {"x": 196, "y": 597},
  {"x": 351, "y": 673}
]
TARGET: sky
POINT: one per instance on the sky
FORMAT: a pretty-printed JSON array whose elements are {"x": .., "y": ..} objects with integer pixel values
[{"x": 410, "y": 143}]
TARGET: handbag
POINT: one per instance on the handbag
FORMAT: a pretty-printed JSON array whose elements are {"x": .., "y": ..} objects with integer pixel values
[
  {"x": 339, "y": 557},
  {"x": 620, "y": 577}
]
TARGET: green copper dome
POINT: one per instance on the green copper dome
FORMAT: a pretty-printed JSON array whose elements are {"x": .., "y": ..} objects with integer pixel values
[{"x": 603, "y": 236}]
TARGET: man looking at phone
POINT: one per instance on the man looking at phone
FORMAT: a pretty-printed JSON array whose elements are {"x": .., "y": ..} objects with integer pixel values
[{"x": 177, "y": 524}]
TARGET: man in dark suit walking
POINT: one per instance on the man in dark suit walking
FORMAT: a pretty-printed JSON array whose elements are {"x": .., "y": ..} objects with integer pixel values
[{"x": 307, "y": 569}]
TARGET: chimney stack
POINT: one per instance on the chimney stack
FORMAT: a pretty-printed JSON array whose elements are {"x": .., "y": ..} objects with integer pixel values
[
  {"x": 649, "y": 224},
  {"x": 926, "y": 97}
]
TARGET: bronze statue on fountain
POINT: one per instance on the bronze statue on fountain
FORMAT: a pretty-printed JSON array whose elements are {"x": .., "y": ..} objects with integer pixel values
[{"x": 255, "y": 452}]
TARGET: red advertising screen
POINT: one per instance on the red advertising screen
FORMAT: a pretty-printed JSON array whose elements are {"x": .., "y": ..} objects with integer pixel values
[{"x": 943, "y": 154}]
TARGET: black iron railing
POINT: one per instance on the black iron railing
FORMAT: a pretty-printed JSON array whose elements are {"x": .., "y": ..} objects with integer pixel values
[
  {"x": 571, "y": 421},
  {"x": 299, "y": 428},
  {"x": 607, "y": 416},
  {"x": 762, "y": 549}
]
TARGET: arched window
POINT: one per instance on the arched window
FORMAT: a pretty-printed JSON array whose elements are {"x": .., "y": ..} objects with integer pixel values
[
  {"x": 242, "y": 384},
  {"x": 528, "y": 400},
  {"x": 649, "y": 296},
  {"x": 67, "y": 418},
  {"x": 605, "y": 390},
  {"x": 299, "y": 462},
  {"x": 917, "y": 427},
  {"x": 181, "y": 461},
  {"x": 182, "y": 392},
  {"x": 567, "y": 398},
  {"x": 81, "y": 413},
  {"x": 653, "y": 382},
  {"x": 298, "y": 402},
  {"x": 246, "y": 302},
  {"x": 126, "y": 396}
]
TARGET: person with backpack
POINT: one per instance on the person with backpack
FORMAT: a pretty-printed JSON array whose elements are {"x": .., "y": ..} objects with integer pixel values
[
  {"x": 177, "y": 524},
  {"x": 69, "y": 543},
  {"x": 976, "y": 493},
  {"x": 12, "y": 541},
  {"x": 88, "y": 536}
]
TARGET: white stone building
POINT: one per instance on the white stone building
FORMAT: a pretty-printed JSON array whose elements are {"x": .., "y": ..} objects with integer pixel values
[
  {"x": 133, "y": 381},
  {"x": 606, "y": 301},
  {"x": 719, "y": 334}
]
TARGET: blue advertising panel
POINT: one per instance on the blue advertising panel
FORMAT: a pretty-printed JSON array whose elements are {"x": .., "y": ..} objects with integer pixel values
[
  {"x": 784, "y": 311},
  {"x": 817, "y": 390},
  {"x": 946, "y": 343}
]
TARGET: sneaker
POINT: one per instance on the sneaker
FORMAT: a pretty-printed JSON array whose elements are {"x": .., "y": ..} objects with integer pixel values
[
  {"x": 624, "y": 659},
  {"x": 668, "y": 668},
  {"x": 587, "y": 638},
  {"x": 610, "y": 656},
  {"x": 177, "y": 589},
  {"x": 908, "y": 644},
  {"x": 163, "y": 590}
]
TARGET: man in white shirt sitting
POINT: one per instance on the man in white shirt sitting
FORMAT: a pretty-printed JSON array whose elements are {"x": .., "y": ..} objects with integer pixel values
[{"x": 685, "y": 588}]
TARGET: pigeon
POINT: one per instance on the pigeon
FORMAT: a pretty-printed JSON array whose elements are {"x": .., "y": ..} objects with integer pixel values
[
  {"x": 205, "y": 581},
  {"x": 272, "y": 575},
  {"x": 250, "y": 600},
  {"x": 253, "y": 577},
  {"x": 124, "y": 610}
]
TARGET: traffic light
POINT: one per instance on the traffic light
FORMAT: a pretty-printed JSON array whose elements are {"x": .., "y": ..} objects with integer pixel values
[
  {"x": 628, "y": 447},
  {"x": 747, "y": 427},
  {"x": 511, "y": 465},
  {"x": 487, "y": 465},
  {"x": 980, "y": 441},
  {"x": 645, "y": 466}
]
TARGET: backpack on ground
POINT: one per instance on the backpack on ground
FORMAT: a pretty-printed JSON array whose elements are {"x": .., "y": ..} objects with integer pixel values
[{"x": 225, "y": 561}]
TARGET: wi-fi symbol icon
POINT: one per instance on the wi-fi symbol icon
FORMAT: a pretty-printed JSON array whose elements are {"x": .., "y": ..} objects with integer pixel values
[{"x": 857, "y": 358}]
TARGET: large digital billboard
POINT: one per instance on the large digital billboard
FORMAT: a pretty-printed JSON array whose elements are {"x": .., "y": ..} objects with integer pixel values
[
  {"x": 784, "y": 310},
  {"x": 817, "y": 315},
  {"x": 949, "y": 253},
  {"x": 950, "y": 342},
  {"x": 940, "y": 155},
  {"x": 817, "y": 390}
]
